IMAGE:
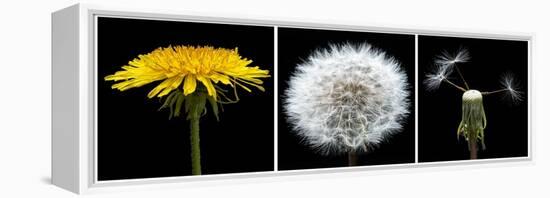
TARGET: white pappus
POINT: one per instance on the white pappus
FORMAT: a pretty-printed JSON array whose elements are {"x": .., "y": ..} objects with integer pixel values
[
  {"x": 448, "y": 59},
  {"x": 434, "y": 78},
  {"x": 445, "y": 65},
  {"x": 347, "y": 98},
  {"x": 511, "y": 87}
]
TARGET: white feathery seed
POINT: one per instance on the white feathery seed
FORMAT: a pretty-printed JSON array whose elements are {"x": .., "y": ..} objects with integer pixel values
[
  {"x": 433, "y": 79},
  {"x": 507, "y": 81},
  {"x": 347, "y": 98},
  {"x": 448, "y": 60},
  {"x": 444, "y": 67}
]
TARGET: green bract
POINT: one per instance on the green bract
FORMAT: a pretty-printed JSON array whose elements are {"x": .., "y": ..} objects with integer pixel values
[{"x": 473, "y": 117}]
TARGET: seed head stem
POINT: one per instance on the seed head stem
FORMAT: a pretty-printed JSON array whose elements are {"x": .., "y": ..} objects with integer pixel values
[
  {"x": 473, "y": 147},
  {"x": 352, "y": 158}
]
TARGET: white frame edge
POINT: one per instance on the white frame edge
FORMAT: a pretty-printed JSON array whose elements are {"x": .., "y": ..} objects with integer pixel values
[
  {"x": 67, "y": 121},
  {"x": 73, "y": 101}
]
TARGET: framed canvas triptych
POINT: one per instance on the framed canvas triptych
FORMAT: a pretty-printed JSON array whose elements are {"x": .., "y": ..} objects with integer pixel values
[{"x": 141, "y": 97}]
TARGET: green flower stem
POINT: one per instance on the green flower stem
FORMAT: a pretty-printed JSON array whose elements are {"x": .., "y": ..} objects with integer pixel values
[
  {"x": 194, "y": 105},
  {"x": 195, "y": 146}
]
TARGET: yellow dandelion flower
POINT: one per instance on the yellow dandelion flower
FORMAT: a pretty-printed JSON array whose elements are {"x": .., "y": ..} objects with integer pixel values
[{"x": 187, "y": 65}]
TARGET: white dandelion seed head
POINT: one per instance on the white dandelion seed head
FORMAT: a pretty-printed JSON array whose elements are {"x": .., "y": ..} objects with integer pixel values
[
  {"x": 434, "y": 78},
  {"x": 508, "y": 82},
  {"x": 347, "y": 98},
  {"x": 448, "y": 59}
]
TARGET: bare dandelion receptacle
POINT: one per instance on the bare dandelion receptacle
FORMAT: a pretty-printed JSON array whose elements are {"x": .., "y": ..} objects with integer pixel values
[{"x": 473, "y": 122}]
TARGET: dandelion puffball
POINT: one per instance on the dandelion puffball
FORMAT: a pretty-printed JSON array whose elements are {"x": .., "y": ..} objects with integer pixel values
[{"x": 347, "y": 98}]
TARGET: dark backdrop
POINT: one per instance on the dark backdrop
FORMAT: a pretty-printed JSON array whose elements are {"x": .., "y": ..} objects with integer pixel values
[
  {"x": 295, "y": 46},
  {"x": 135, "y": 140},
  {"x": 439, "y": 111}
]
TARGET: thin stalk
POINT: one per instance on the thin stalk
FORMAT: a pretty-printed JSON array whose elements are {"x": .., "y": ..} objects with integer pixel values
[
  {"x": 195, "y": 146},
  {"x": 352, "y": 158},
  {"x": 472, "y": 143},
  {"x": 493, "y": 92},
  {"x": 458, "y": 87},
  {"x": 462, "y": 77}
]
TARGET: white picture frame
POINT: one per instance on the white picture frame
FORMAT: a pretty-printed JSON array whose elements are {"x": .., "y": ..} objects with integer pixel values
[{"x": 73, "y": 101}]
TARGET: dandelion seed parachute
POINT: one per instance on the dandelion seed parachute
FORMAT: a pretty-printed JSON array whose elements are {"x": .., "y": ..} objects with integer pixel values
[
  {"x": 448, "y": 59},
  {"x": 434, "y": 79},
  {"x": 511, "y": 86},
  {"x": 347, "y": 98}
]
